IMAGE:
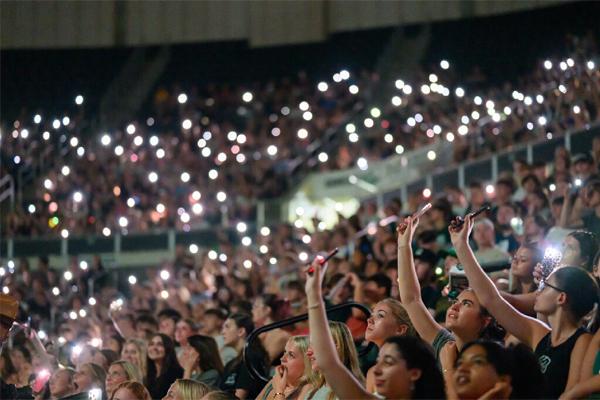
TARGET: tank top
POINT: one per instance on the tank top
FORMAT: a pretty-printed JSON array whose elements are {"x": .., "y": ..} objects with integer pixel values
[{"x": 555, "y": 362}]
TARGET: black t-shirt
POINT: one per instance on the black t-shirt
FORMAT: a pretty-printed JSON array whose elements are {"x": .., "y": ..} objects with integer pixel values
[
  {"x": 237, "y": 376},
  {"x": 158, "y": 387},
  {"x": 591, "y": 223}
]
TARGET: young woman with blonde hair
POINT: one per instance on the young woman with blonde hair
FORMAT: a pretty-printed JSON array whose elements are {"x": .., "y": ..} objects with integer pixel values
[
  {"x": 135, "y": 351},
  {"x": 186, "y": 389}
]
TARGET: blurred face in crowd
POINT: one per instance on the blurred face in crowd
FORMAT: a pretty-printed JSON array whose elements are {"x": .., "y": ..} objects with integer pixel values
[
  {"x": 143, "y": 329},
  {"x": 393, "y": 378},
  {"x": 505, "y": 214},
  {"x": 503, "y": 193},
  {"x": 130, "y": 353},
  {"x": 61, "y": 384},
  {"x": 232, "y": 334},
  {"x": 477, "y": 196},
  {"x": 592, "y": 198},
  {"x": 183, "y": 331},
  {"x": 124, "y": 394},
  {"x": 100, "y": 360},
  {"x": 464, "y": 317},
  {"x": 571, "y": 252},
  {"x": 18, "y": 359},
  {"x": 390, "y": 250},
  {"x": 474, "y": 375},
  {"x": 522, "y": 264},
  {"x": 382, "y": 324},
  {"x": 116, "y": 374},
  {"x": 483, "y": 233},
  {"x": 311, "y": 357},
  {"x": 293, "y": 361},
  {"x": 260, "y": 311},
  {"x": 84, "y": 378},
  {"x": 211, "y": 324},
  {"x": 156, "y": 349},
  {"x": 173, "y": 393},
  {"x": 166, "y": 326},
  {"x": 423, "y": 270}
]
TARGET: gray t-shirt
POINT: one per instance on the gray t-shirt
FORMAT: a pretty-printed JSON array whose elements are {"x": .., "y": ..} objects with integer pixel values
[{"x": 443, "y": 336}]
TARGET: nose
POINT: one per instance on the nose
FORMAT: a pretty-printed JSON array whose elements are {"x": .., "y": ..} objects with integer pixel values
[{"x": 455, "y": 306}]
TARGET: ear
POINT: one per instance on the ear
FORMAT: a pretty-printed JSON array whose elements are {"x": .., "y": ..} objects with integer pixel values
[
  {"x": 402, "y": 330},
  {"x": 241, "y": 332},
  {"x": 562, "y": 298},
  {"x": 414, "y": 374}
]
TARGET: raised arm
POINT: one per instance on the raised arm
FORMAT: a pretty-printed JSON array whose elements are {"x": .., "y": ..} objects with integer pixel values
[
  {"x": 341, "y": 381},
  {"x": 528, "y": 330},
  {"x": 408, "y": 284}
]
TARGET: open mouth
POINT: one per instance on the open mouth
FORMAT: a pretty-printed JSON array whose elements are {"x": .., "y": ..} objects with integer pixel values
[{"x": 462, "y": 380}]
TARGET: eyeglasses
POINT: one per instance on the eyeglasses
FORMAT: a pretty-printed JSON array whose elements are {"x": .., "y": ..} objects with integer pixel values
[{"x": 543, "y": 285}]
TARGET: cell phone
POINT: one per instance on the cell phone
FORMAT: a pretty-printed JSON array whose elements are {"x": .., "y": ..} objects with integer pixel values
[
  {"x": 460, "y": 221},
  {"x": 332, "y": 253},
  {"x": 552, "y": 258},
  {"x": 422, "y": 211}
]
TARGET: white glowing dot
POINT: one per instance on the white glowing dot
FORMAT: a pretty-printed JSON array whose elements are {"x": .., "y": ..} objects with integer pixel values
[
  {"x": 463, "y": 130},
  {"x": 74, "y": 142},
  {"x": 337, "y": 78},
  {"x": 444, "y": 64},
  {"x": 389, "y": 138},
  {"x": 548, "y": 64},
  {"x": 247, "y": 264},
  {"x": 459, "y": 92},
  {"x": 399, "y": 149},
  {"x": 213, "y": 174},
  {"x": 241, "y": 139},
  {"x": 153, "y": 177},
  {"x": 197, "y": 209},
  {"x": 426, "y": 193},
  {"x": 221, "y": 197},
  {"x": 590, "y": 65},
  {"x": 323, "y": 157},
  {"x": 241, "y": 227},
  {"x": 562, "y": 89},
  {"x": 105, "y": 139},
  {"x": 65, "y": 170},
  {"x": 221, "y": 157},
  {"x": 56, "y": 124},
  {"x": 399, "y": 84},
  {"x": 82, "y": 313},
  {"x": 306, "y": 239},
  {"x": 68, "y": 275},
  {"x": 186, "y": 124},
  {"x": 164, "y": 294},
  {"x": 397, "y": 101},
  {"x": 375, "y": 112},
  {"x": 80, "y": 151},
  {"x": 5, "y": 290},
  {"x": 206, "y": 152},
  {"x": 123, "y": 222},
  {"x": 66, "y": 121},
  {"x": 83, "y": 265},
  {"x": 196, "y": 195},
  {"x": 76, "y": 349},
  {"x": 231, "y": 136},
  {"x": 106, "y": 231},
  {"x": 431, "y": 155},
  {"x": 542, "y": 120},
  {"x": 77, "y": 197},
  {"x": 576, "y": 109},
  {"x": 263, "y": 249},
  {"x": 46, "y": 135},
  {"x": 507, "y": 110},
  {"x": 48, "y": 184},
  {"x": 322, "y": 86},
  {"x": 450, "y": 137},
  {"x": 302, "y": 133},
  {"x": 570, "y": 62},
  {"x": 350, "y": 128},
  {"x": 299, "y": 223},
  {"x": 475, "y": 115},
  {"x": 265, "y": 231},
  {"x": 222, "y": 257},
  {"x": 79, "y": 100},
  {"x": 150, "y": 121},
  {"x": 55, "y": 291},
  {"x": 362, "y": 163},
  {"x": 160, "y": 208},
  {"x": 164, "y": 275},
  {"x": 478, "y": 100},
  {"x": 31, "y": 209},
  {"x": 303, "y": 256},
  {"x": 247, "y": 97},
  {"x": 425, "y": 89},
  {"x": 496, "y": 117},
  {"x": 130, "y": 129},
  {"x": 530, "y": 126},
  {"x": 119, "y": 150},
  {"x": 212, "y": 255},
  {"x": 246, "y": 241},
  {"x": 407, "y": 89},
  {"x": 64, "y": 233},
  {"x": 185, "y": 218},
  {"x": 92, "y": 301},
  {"x": 307, "y": 115},
  {"x": 153, "y": 140},
  {"x": 275, "y": 131},
  {"x": 182, "y": 98},
  {"x": 138, "y": 141},
  {"x": 193, "y": 248},
  {"x": 272, "y": 261},
  {"x": 272, "y": 150},
  {"x": 353, "y": 89},
  {"x": 489, "y": 189},
  {"x": 345, "y": 75},
  {"x": 285, "y": 110},
  {"x": 552, "y": 187},
  {"x": 201, "y": 143},
  {"x": 563, "y": 66},
  {"x": 411, "y": 121},
  {"x": 539, "y": 98},
  {"x": 303, "y": 106}
]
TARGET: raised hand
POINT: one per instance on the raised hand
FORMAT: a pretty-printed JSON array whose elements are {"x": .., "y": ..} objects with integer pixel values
[
  {"x": 459, "y": 232},
  {"x": 280, "y": 379},
  {"x": 406, "y": 231}
]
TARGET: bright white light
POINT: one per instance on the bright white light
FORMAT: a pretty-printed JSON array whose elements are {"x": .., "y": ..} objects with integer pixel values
[
  {"x": 64, "y": 233},
  {"x": 105, "y": 139},
  {"x": 303, "y": 256},
  {"x": 306, "y": 239},
  {"x": 302, "y": 133},
  {"x": 272, "y": 261},
  {"x": 300, "y": 211},
  {"x": 123, "y": 222},
  {"x": 185, "y": 218},
  {"x": 196, "y": 195},
  {"x": 362, "y": 163},
  {"x": 576, "y": 109},
  {"x": 46, "y": 135},
  {"x": 48, "y": 184},
  {"x": 307, "y": 115},
  {"x": 478, "y": 100},
  {"x": 389, "y": 138},
  {"x": 350, "y": 128},
  {"x": 246, "y": 241},
  {"x": 221, "y": 197},
  {"x": 241, "y": 139},
  {"x": 80, "y": 151},
  {"x": 272, "y": 150},
  {"x": 77, "y": 348},
  {"x": 407, "y": 89},
  {"x": 450, "y": 137},
  {"x": 323, "y": 157},
  {"x": 193, "y": 248},
  {"x": 548, "y": 64},
  {"x": 275, "y": 131},
  {"x": 397, "y": 101},
  {"x": 138, "y": 141},
  {"x": 131, "y": 202},
  {"x": 322, "y": 86},
  {"x": 563, "y": 66},
  {"x": 66, "y": 121},
  {"x": 5, "y": 290},
  {"x": 206, "y": 152},
  {"x": 186, "y": 124},
  {"x": 507, "y": 110},
  {"x": 303, "y": 106},
  {"x": 444, "y": 64},
  {"x": 530, "y": 126},
  {"x": 263, "y": 249},
  {"x": 241, "y": 227},
  {"x": 570, "y": 62},
  {"x": 578, "y": 182},
  {"x": 197, "y": 209},
  {"x": 475, "y": 115},
  {"x": 353, "y": 89},
  {"x": 431, "y": 155},
  {"x": 164, "y": 294},
  {"x": 153, "y": 177},
  {"x": 345, "y": 75},
  {"x": 528, "y": 100},
  {"x": 562, "y": 89},
  {"x": 368, "y": 122},
  {"x": 56, "y": 124},
  {"x": 83, "y": 265},
  {"x": 542, "y": 120},
  {"x": 74, "y": 142},
  {"x": 55, "y": 291},
  {"x": 247, "y": 264},
  {"x": 539, "y": 98},
  {"x": 68, "y": 275},
  {"x": 160, "y": 208},
  {"x": 463, "y": 130},
  {"x": 119, "y": 150},
  {"x": 399, "y": 149},
  {"x": 427, "y": 193},
  {"x": 213, "y": 174},
  {"x": 247, "y": 97},
  {"x": 92, "y": 301},
  {"x": 399, "y": 84},
  {"x": 222, "y": 257},
  {"x": 265, "y": 231},
  {"x": 106, "y": 231},
  {"x": 353, "y": 137},
  {"x": 411, "y": 122},
  {"x": 459, "y": 92},
  {"x": 79, "y": 100},
  {"x": 154, "y": 141},
  {"x": 496, "y": 117},
  {"x": 212, "y": 255},
  {"x": 552, "y": 187},
  {"x": 164, "y": 275},
  {"x": 182, "y": 98},
  {"x": 590, "y": 65},
  {"x": 150, "y": 121},
  {"x": 375, "y": 112},
  {"x": 82, "y": 313},
  {"x": 490, "y": 189},
  {"x": 77, "y": 197},
  {"x": 130, "y": 129},
  {"x": 37, "y": 118}
]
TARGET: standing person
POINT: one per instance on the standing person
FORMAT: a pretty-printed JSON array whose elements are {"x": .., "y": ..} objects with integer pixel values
[
  {"x": 564, "y": 298},
  {"x": 9, "y": 309},
  {"x": 163, "y": 368},
  {"x": 236, "y": 377}
]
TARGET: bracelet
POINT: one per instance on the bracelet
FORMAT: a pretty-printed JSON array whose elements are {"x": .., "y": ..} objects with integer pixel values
[
  {"x": 313, "y": 306},
  {"x": 279, "y": 394}
]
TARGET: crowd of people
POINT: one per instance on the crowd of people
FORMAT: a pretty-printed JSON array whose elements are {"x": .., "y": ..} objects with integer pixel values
[
  {"x": 203, "y": 152},
  {"x": 521, "y": 325}
]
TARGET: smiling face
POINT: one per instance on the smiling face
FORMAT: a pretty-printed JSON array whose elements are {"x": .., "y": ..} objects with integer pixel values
[
  {"x": 464, "y": 317},
  {"x": 116, "y": 375},
  {"x": 156, "y": 349},
  {"x": 474, "y": 375},
  {"x": 293, "y": 361},
  {"x": 393, "y": 378},
  {"x": 131, "y": 353},
  {"x": 381, "y": 325},
  {"x": 182, "y": 331}
]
